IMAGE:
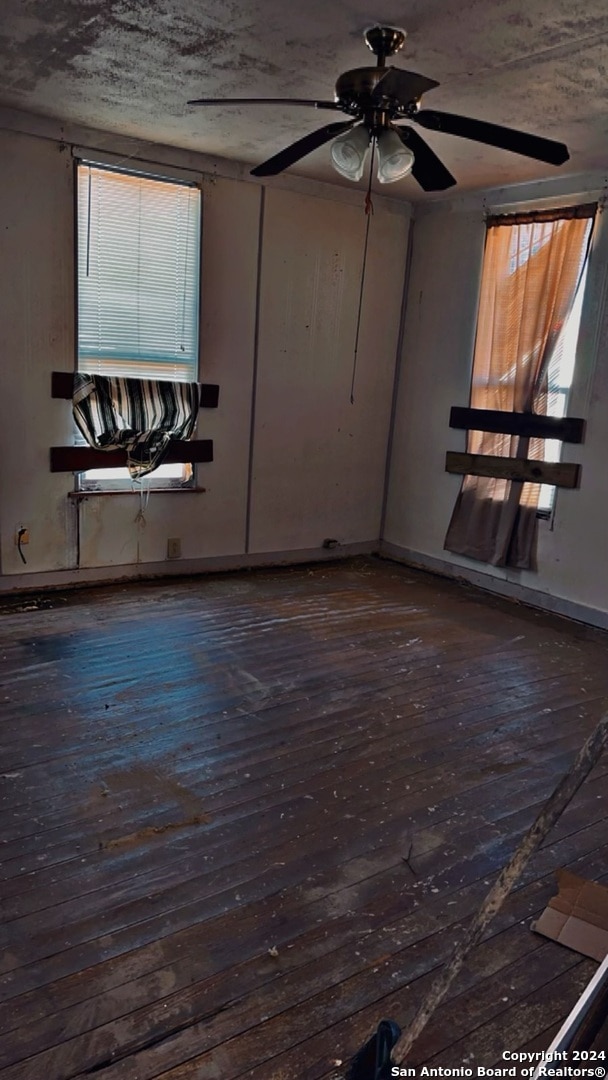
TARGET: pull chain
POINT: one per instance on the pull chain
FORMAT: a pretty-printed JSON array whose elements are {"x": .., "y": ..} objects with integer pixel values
[{"x": 369, "y": 210}]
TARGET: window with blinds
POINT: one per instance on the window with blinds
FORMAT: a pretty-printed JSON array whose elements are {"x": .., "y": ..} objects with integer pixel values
[
  {"x": 138, "y": 283},
  {"x": 138, "y": 275}
]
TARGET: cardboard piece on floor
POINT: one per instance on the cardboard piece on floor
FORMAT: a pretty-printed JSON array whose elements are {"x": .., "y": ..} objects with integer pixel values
[{"x": 578, "y": 916}]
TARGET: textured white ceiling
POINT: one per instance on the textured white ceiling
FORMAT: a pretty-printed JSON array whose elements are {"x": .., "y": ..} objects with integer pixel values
[{"x": 129, "y": 66}]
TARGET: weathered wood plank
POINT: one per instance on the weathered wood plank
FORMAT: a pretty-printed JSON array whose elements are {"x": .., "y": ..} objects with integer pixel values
[
  {"x": 239, "y": 939},
  {"x": 174, "y": 1005},
  {"x": 128, "y": 860},
  {"x": 81, "y": 458},
  {"x": 171, "y": 886},
  {"x": 526, "y": 425},
  {"x": 557, "y": 473},
  {"x": 357, "y": 709},
  {"x": 107, "y": 976},
  {"x": 526, "y": 1018},
  {"x": 387, "y": 986},
  {"x": 62, "y": 385},
  {"x": 135, "y": 865}
]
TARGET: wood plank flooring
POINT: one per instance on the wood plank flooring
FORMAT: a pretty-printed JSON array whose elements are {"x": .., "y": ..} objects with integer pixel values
[{"x": 245, "y": 817}]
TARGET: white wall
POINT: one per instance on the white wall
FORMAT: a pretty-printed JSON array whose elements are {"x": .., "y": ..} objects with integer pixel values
[
  {"x": 278, "y": 326},
  {"x": 319, "y": 461},
  {"x": 36, "y": 336},
  {"x": 435, "y": 374}
]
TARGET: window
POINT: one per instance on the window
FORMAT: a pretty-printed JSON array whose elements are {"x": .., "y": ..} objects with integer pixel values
[
  {"x": 559, "y": 382},
  {"x": 516, "y": 323},
  {"x": 138, "y": 286},
  {"x": 527, "y": 327}
]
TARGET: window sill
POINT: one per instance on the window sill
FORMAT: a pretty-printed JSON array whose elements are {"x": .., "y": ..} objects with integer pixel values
[{"x": 80, "y": 495}]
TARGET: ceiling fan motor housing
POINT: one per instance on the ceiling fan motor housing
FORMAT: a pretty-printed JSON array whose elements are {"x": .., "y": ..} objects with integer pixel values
[
  {"x": 389, "y": 90},
  {"x": 355, "y": 89}
]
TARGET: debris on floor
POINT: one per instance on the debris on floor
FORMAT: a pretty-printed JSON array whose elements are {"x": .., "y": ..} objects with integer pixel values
[{"x": 577, "y": 916}]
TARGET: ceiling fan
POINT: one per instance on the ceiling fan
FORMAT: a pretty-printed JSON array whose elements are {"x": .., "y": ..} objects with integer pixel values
[{"x": 375, "y": 99}]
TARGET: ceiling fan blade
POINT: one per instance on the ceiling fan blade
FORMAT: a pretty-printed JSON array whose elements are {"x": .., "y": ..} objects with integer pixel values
[
  {"x": 532, "y": 146},
  {"x": 301, "y": 148},
  {"x": 401, "y": 86},
  {"x": 265, "y": 101},
  {"x": 427, "y": 169}
]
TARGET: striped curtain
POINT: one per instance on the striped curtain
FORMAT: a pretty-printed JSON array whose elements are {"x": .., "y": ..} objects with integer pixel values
[{"x": 136, "y": 415}]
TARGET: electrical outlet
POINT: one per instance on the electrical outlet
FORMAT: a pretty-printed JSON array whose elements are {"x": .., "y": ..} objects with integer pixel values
[
  {"x": 174, "y": 548},
  {"x": 22, "y": 535}
]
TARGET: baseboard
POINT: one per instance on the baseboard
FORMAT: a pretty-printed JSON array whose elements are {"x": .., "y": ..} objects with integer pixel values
[
  {"x": 109, "y": 575},
  {"x": 556, "y": 605}
]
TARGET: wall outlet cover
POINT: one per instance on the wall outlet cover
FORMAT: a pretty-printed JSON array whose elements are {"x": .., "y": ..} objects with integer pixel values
[{"x": 174, "y": 548}]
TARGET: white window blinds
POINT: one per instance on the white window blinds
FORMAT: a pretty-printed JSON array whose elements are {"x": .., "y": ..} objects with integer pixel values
[{"x": 138, "y": 275}]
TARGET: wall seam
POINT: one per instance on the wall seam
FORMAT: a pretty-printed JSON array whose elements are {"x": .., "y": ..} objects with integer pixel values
[
  {"x": 397, "y": 376},
  {"x": 254, "y": 380},
  {"x": 75, "y": 555}
]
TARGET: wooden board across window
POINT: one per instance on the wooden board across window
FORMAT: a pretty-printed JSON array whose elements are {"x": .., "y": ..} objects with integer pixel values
[
  {"x": 527, "y": 425},
  {"x": 62, "y": 386},
  {"x": 83, "y": 458},
  {"x": 556, "y": 473}
]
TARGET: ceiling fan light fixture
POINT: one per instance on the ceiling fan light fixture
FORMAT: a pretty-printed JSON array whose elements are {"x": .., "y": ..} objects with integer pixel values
[
  {"x": 349, "y": 152},
  {"x": 395, "y": 160}
]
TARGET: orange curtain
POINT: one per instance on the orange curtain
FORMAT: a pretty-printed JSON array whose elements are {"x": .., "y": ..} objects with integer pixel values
[{"x": 530, "y": 275}]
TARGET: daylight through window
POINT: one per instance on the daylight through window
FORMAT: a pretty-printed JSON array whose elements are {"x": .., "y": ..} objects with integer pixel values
[
  {"x": 518, "y": 270},
  {"x": 529, "y": 312},
  {"x": 138, "y": 285}
]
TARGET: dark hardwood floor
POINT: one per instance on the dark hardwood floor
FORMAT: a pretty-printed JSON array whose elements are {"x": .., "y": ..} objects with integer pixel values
[{"x": 246, "y": 817}]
